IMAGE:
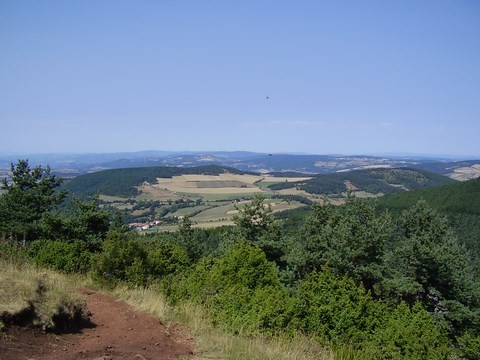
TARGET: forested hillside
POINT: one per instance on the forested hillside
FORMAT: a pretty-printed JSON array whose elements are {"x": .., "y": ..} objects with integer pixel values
[
  {"x": 123, "y": 182},
  {"x": 375, "y": 181},
  {"x": 459, "y": 201},
  {"x": 458, "y": 197}
]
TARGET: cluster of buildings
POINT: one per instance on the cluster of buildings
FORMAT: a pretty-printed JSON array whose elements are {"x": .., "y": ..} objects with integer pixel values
[{"x": 144, "y": 226}]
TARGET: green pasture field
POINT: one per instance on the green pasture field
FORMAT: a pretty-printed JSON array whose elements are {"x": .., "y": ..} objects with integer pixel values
[
  {"x": 189, "y": 210},
  {"x": 219, "y": 195},
  {"x": 266, "y": 184},
  {"x": 215, "y": 213},
  {"x": 112, "y": 199},
  {"x": 226, "y": 197}
]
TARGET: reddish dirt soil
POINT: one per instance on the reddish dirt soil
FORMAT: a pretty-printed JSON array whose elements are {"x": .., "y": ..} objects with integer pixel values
[{"x": 116, "y": 332}]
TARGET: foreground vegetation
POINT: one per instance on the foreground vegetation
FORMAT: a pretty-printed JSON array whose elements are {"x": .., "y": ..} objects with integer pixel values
[{"x": 366, "y": 283}]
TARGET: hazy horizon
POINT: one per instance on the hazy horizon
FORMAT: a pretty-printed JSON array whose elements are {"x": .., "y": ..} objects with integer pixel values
[
  {"x": 5, "y": 155},
  {"x": 311, "y": 77}
]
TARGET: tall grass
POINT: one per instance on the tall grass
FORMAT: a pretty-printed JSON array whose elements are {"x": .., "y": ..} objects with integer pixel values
[{"x": 38, "y": 296}]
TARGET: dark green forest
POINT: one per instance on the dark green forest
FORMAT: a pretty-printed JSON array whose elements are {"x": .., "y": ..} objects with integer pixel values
[
  {"x": 457, "y": 198},
  {"x": 383, "y": 284},
  {"x": 458, "y": 202}
]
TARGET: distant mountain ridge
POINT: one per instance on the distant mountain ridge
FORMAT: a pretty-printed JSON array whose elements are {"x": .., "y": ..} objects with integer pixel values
[{"x": 71, "y": 165}]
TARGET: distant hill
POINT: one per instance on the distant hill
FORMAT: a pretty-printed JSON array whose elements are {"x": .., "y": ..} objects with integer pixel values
[
  {"x": 441, "y": 167},
  {"x": 458, "y": 170},
  {"x": 458, "y": 198},
  {"x": 123, "y": 182},
  {"x": 70, "y": 165},
  {"x": 375, "y": 181}
]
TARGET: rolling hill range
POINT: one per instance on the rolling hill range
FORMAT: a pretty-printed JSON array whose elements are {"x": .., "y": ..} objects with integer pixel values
[
  {"x": 458, "y": 170},
  {"x": 71, "y": 165},
  {"x": 374, "y": 181},
  {"x": 209, "y": 193},
  {"x": 125, "y": 182}
]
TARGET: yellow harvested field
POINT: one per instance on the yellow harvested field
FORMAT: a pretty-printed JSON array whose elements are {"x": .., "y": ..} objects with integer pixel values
[
  {"x": 274, "y": 179},
  {"x": 466, "y": 173},
  {"x": 149, "y": 192},
  {"x": 211, "y": 184},
  {"x": 294, "y": 191},
  {"x": 364, "y": 194},
  {"x": 222, "y": 184},
  {"x": 221, "y": 191},
  {"x": 250, "y": 179}
]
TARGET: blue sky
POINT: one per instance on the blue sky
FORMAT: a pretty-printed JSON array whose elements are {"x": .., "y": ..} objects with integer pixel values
[{"x": 350, "y": 77}]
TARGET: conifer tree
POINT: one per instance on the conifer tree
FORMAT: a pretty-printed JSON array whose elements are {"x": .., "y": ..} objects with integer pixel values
[{"x": 30, "y": 194}]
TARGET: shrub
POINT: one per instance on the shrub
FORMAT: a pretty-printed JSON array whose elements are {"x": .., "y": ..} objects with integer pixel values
[
  {"x": 136, "y": 263},
  {"x": 241, "y": 290},
  {"x": 336, "y": 309},
  {"x": 410, "y": 333},
  {"x": 469, "y": 346},
  {"x": 165, "y": 258},
  {"x": 69, "y": 257},
  {"x": 121, "y": 260}
]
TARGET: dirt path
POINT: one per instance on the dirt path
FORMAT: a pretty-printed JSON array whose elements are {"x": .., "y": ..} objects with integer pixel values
[{"x": 117, "y": 333}]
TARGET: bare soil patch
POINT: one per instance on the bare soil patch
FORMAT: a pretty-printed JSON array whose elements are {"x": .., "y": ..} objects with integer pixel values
[{"x": 117, "y": 332}]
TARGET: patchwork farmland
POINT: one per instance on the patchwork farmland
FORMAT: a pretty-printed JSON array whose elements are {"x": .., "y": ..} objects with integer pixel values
[{"x": 208, "y": 200}]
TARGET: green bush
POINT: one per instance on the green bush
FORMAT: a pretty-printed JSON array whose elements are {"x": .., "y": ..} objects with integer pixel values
[
  {"x": 410, "y": 333},
  {"x": 241, "y": 290},
  {"x": 336, "y": 309},
  {"x": 69, "y": 257},
  {"x": 136, "y": 263},
  {"x": 469, "y": 346},
  {"x": 165, "y": 258},
  {"x": 12, "y": 251},
  {"x": 121, "y": 260},
  {"x": 245, "y": 265}
]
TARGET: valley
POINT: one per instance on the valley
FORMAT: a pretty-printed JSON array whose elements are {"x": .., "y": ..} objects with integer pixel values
[{"x": 159, "y": 198}]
